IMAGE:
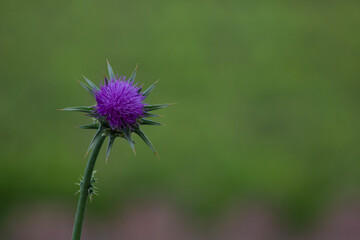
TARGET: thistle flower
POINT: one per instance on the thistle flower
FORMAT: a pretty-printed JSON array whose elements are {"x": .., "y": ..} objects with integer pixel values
[
  {"x": 119, "y": 110},
  {"x": 120, "y": 102}
]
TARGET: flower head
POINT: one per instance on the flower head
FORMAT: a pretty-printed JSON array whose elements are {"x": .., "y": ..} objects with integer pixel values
[
  {"x": 120, "y": 102},
  {"x": 119, "y": 110}
]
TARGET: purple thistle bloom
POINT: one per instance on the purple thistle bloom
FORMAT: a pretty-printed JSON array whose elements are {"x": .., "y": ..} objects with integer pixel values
[
  {"x": 120, "y": 102},
  {"x": 119, "y": 110}
]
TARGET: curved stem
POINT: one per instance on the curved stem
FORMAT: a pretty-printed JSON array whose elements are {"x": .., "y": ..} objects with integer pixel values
[{"x": 84, "y": 189}]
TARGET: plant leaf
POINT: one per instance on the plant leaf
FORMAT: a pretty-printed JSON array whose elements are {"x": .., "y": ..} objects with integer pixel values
[
  {"x": 108, "y": 149},
  {"x": 95, "y": 138},
  {"x": 87, "y": 88},
  {"x": 147, "y": 91},
  {"x": 111, "y": 72},
  {"x": 127, "y": 135},
  {"x": 132, "y": 77},
  {"x": 149, "y": 122},
  {"x": 92, "y": 85},
  {"x": 143, "y": 136},
  {"x": 155, "y": 107},
  {"x": 147, "y": 115},
  {"x": 86, "y": 109},
  {"x": 90, "y": 126}
]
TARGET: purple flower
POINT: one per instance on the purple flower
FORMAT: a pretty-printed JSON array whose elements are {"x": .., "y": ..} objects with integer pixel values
[
  {"x": 120, "y": 102},
  {"x": 119, "y": 111}
]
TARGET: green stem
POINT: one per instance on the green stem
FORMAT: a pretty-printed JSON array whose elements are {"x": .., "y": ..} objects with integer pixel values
[{"x": 84, "y": 190}]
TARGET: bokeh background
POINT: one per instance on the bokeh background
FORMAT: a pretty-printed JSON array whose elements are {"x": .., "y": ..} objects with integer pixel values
[{"x": 262, "y": 144}]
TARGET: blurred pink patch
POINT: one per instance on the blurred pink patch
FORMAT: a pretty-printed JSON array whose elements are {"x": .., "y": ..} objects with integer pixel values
[
  {"x": 252, "y": 222},
  {"x": 40, "y": 223},
  {"x": 154, "y": 220},
  {"x": 342, "y": 223}
]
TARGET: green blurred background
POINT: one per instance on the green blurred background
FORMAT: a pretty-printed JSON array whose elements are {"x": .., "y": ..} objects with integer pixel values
[{"x": 267, "y": 92}]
